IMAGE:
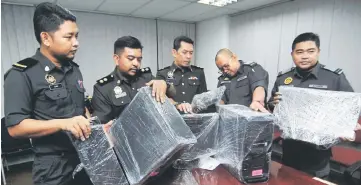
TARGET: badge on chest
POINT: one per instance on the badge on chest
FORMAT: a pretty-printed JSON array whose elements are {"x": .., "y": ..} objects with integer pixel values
[{"x": 119, "y": 92}]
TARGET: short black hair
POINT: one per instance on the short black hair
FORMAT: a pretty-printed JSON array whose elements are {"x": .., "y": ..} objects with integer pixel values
[
  {"x": 177, "y": 41},
  {"x": 309, "y": 36},
  {"x": 126, "y": 41},
  {"x": 48, "y": 17}
]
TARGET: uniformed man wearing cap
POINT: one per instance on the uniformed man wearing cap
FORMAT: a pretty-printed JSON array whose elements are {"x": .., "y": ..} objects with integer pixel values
[
  {"x": 188, "y": 80},
  {"x": 246, "y": 82},
  {"x": 115, "y": 91},
  {"x": 308, "y": 73},
  {"x": 44, "y": 95}
]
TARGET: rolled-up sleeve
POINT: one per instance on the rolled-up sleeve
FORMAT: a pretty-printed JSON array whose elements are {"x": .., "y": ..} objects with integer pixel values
[
  {"x": 259, "y": 78},
  {"x": 18, "y": 98}
]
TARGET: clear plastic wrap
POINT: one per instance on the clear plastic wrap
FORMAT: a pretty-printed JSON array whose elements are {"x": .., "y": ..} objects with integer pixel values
[
  {"x": 244, "y": 142},
  {"x": 317, "y": 116},
  {"x": 149, "y": 136},
  {"x": 99, "y": 159},
  {"x": 202, "y": 101},
  {"x": 205, "y": 128}
]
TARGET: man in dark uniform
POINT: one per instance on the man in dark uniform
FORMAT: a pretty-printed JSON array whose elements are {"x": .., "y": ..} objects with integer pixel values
[
  {"x": 188, "y": 80},
  {"x": 308, "y": 73},
  {"x": 44, "y": 96},
  {"x": 246, "y": 83},
  {"x": 114, "y": 92}
]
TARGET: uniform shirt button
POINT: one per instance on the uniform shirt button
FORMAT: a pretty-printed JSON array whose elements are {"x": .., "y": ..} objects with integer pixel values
[
  {"x": 122, "y": 101},
  {"x": 182, "y": 75},
  {"x": 183, "y": 92},
  {"x": 133, "y": 88},
  {"x": 182, "y": 83}
]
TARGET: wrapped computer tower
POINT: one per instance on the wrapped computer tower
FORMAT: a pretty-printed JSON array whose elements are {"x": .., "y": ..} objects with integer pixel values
[
  {"x": 149, "y": 136},
  {"x": 99, "y": 159},
  {"x": 205, "y": 128},
  {"x": 244, "y": 142}
]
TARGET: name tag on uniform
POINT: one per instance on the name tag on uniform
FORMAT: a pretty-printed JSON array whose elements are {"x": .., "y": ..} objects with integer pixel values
[
  {"x": 318, "y": 86},
  {"x": 225, "y": 82},
  {"x": 56, "y": 86},
  {"x": 241, "y": 78}
]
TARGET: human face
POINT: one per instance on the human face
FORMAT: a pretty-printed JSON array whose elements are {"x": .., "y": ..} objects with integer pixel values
[
  {"x": 62, "y": 43},
  {"x": 305, "y": 55},
  {"x": 129, "y": 60},
  {"x": 183, "y": 55}
]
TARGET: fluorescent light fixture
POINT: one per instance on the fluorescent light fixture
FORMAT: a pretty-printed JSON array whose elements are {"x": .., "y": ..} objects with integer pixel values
[{"x": 219, "y": 3}]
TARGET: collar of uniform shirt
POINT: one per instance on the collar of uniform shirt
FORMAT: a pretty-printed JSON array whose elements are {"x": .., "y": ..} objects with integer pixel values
[
  {"x": 314, "y": 71},
  {"x": 47, "y": 64},
  {"x": 121, "y": 77},
  {"x": 174, "y": 66},
  {"x": 240, "y": 70}
]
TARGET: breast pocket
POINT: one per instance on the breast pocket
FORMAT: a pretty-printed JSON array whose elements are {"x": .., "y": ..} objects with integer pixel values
[
  {"x": 193, "y": 82},
  {"x": 174, "y": 81},
  {"x": 55, "y": 103},
  {"x": 242, "y": 87},
  {"x": 119, "y": 104}
]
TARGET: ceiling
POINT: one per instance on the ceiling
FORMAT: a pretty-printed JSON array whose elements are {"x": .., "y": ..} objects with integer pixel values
[{"x": 174, "y": 10}]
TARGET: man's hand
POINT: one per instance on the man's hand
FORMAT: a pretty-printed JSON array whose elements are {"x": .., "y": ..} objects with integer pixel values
[
  {"x": 276, "y": 98},
  {"x": 159, "y": 89},
  {"x": 79, "y": 126},
  {"x": 358, "y": 133},
  {"x": 108, "y": 125},
  {"x": 185, "y": 107},
  {"x": 257, "y": 106},
  {"x": 357, "y": 137}
]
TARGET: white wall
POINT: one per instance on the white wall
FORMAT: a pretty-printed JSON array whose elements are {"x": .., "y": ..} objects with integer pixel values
[
  {"x": 211, "y": 35},
  {"x": 167, "y": 32},
  {"x": 266, "y": 36},
  {"x": 98, "y": 33}
]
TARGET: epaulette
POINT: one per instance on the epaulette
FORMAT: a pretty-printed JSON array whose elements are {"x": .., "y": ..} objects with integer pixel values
[
  {"x": 250, "y": 63},
  {"x": 285, "y": 71},
  {"x": 337, "y": 71},
  {"x": 145, "y": 70},
  {"x": 73, "y": 63},
  {"x": 196, "y": 67},
  {"x": 164, "y": 68},
  {"x": 105, "y": 80},
  {"x": 25, "y": 64}
]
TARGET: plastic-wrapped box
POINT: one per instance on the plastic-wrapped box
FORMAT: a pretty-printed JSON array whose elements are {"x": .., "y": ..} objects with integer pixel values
[
  {"x": 148, "y": 136},
  {"x": 205, "y": 102},
  {"x": 99, "y": 159},
  {"x": 244, "y": 142},
  {"x": 320, "y": 117},
  {"x": 205, "y": 128}
]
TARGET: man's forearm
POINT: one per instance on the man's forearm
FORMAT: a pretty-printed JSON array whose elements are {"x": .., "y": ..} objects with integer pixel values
[
  {"x": 259, "y": 95},
  {"x": 29, "y": 128}
]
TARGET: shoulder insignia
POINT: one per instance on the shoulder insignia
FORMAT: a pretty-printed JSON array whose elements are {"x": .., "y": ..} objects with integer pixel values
[
  {"x": 105, "y": 80},
  {"x": 145, "y": 70},
  {"x": 285, "y": 71},
  {"x": 25, "y": 64},
  {"x": 337, "y": 71},
  {"x": 250, "y": 63}
]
